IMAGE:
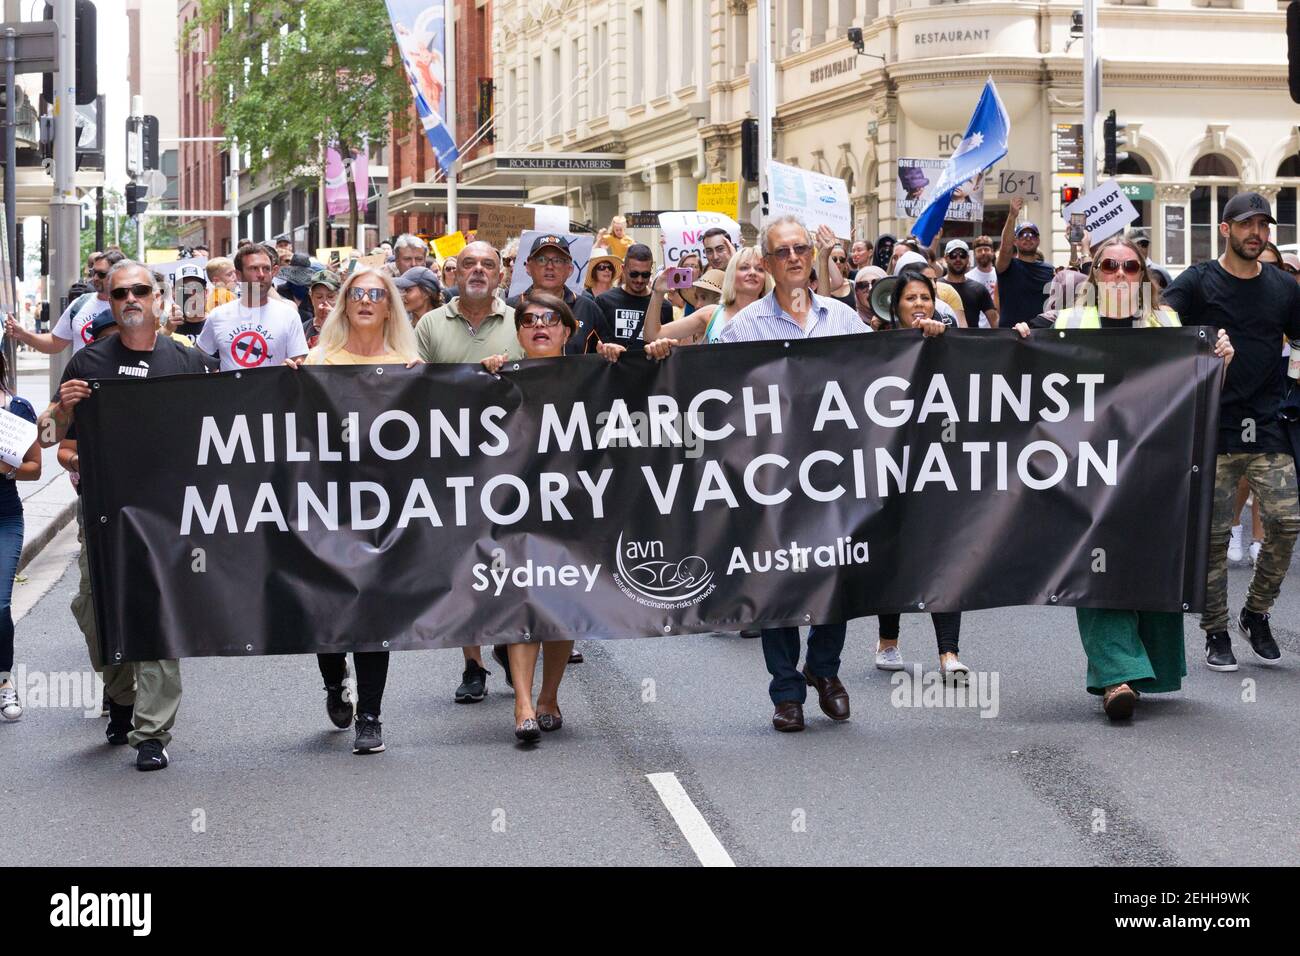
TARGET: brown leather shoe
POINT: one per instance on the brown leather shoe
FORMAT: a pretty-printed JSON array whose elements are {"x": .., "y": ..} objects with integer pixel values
[
  {"x": 832, "y": 696},
  {"x": 788, "y": 717},
  {"x": 1118, "y": 701}
]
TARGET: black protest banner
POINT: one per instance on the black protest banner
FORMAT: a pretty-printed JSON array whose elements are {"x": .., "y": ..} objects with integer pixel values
[{"x": 275, "y": 511}]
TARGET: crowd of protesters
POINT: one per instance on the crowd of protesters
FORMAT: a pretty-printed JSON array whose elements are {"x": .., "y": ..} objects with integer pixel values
[{"x": 271, "y": 305}]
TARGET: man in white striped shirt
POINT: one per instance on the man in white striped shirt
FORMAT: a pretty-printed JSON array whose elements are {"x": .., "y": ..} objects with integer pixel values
[{"x": 792, "y": 312}]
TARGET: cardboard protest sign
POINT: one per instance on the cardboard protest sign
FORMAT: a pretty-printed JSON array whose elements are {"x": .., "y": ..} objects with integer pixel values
[
  {"x": 1106, "y": 210},
  {"x": 377, "y": 261},
  {"x": 718, "y": 197},
  {"x": 684, "y": 232},
  {"x": 579, "y": 249},
  {"x": 816, "y": 199},
  {"x": 339, "y": 254},
  {"x": 497, "y": 224},
  {"x": 16, "y": 436},
  {"x": 917, "y": 179},
  {"x": 449, "y": 246}
]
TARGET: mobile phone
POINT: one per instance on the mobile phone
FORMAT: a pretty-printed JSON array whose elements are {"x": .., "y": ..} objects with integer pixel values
[
  {"x": 680, "y": 278},
  {"x": 1075, "y": 232}
]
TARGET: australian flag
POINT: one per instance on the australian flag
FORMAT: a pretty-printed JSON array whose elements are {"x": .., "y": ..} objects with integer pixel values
[{"x": 983, "y": 145}]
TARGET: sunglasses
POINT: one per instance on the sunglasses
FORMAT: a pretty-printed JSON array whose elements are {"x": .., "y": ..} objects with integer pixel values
[
  {"x": 957, "y": 254},
  {"x": 633, "y": 274},
  {"x": 360, "y": 295},
  {"x": 1131, "y": 267},
  {"x": 544, "y": 319},
  {"x": 100, "y": 275},
  {"x": 786, "y": 252},
  {"x": 838, "y": 259},
  {"x": 864, "y": 286},
  {"x": 1290, "y": 270},
  {"x": 139, "y": 291}
]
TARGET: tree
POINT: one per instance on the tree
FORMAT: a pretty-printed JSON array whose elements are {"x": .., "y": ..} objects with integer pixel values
[{"x": 294, "y": 76}]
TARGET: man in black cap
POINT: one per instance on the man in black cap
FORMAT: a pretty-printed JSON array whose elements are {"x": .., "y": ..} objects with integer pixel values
[
  {"x": 323, "y": 291},
  {"x": 550, "y": 263},
  {"x": 1256, "y": 305},
  {"x": 1023, "y": 281}
]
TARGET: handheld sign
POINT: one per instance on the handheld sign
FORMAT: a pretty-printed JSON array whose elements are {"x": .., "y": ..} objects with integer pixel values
[
  {"x": 816, "y": 199},
  {"x": 449, "y": 246},
  {"x": 684, "y": 232},
  {"x": 722, "y": 198},
  {"x": 16, "y": 436},
  {"x": 1106, "y": 210},
  {"x": 496, "y": 224}
]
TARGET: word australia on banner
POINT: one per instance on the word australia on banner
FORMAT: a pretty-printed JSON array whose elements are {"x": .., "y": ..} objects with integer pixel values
[{"x": 762, "y": 484}]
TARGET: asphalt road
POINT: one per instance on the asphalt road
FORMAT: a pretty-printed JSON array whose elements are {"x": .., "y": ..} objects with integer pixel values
[{"x": 258, "y": 775}]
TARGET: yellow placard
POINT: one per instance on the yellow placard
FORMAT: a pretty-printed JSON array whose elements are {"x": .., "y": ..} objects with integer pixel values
[
  {"x": 446, "y": 247},
  {"x": 155, "y": 256},
  {"x": 722, "y": 198}
]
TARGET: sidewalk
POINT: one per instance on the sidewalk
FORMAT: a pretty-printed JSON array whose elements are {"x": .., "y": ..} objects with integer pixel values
[{"x": 49, "y": 503}]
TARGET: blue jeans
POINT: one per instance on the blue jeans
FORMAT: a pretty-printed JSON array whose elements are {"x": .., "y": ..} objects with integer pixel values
[
  {"x": 11, "y": 549},
  {"x": 781, "y": 651}
]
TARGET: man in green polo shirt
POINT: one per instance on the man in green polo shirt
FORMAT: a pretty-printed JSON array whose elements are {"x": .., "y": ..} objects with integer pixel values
[
  {"x": 469, "y": 328},
  {"x": 474, "y": 324}
]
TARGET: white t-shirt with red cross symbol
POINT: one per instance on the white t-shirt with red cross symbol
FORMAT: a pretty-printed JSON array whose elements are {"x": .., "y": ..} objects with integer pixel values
[
  {"x": 242, "y": 338},
  {"x": 76, "y": 326}
]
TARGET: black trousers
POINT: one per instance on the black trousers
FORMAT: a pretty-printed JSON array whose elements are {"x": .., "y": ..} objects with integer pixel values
[
  {"x": 372, "y": 674},
  {"x": 947, "y": 629}
]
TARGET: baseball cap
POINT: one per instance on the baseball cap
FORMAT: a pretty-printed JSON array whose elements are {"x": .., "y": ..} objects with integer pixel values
[
  {"x": 955, "y": 245},
  {"x": 1026, "y": 227},
  {"x": 191, "y": 272},
  {"x": 1140, "y": 235},
  {"x": 419, "y": 276},
  {"x": 326, "y": 278},
  {"x": 541, "y": 242},
  {"x": 100, "y": 322},
  {"x": 298, "y": 271},
  {"x": 1244, "y": 205}
]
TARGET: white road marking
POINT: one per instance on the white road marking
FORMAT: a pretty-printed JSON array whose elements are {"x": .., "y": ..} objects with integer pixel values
[
  {"x": 689, "y": 820},
  {"x": 45, "y": 570}
]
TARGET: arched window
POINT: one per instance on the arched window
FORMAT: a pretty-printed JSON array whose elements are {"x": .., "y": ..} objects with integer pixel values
[
  {"x": 1215, "y": 181},
  {"x": 1133, "y": 165},
  {"x": 1135, "y": 176},
  {"x": 1286, "y": 201}
]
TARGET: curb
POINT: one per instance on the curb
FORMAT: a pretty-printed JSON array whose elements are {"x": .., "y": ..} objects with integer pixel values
[{"x": 43, "y": 537}]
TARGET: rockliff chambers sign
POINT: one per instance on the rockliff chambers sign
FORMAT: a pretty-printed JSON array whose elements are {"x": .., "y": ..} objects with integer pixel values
[{"x": 560, "y": 164}]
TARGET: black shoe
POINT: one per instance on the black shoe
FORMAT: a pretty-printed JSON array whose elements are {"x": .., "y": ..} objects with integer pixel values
[
  {"x": 340, "y": 711},
  {"x": 751, "y": 634},
  {"x": 529, "y": 731},
  {"x": 150, "y": 755},
  {"x": 370, "y": 739},
  {"x": 119, "y": 723},
  {"x": 473, "y": 683},
  {"x": 105, "y": 704},
  {"x": 1257, "y": 630},
  {"x": 1218, "y": 652},
  {"x": 502, "y": 657}
]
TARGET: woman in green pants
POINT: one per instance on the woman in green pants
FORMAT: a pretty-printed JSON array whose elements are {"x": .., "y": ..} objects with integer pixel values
[{"x": 1128, "y": 651}]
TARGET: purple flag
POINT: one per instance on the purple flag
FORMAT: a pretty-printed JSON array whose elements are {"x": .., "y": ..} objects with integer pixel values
[{"x": 336, "y": 181}]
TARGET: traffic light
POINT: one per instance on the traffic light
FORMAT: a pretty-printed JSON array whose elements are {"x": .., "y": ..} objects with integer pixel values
[
  {"x": 1293, "y": 49},
  {"x": 1069, "y": 194},
  {"x": 749, "y": 150},
  {"x": 1114, "y": 136},
  {"x": 137, "y": 199},
  {"x": 87, "y": 69},
  {"x": 149, "y": 141}
]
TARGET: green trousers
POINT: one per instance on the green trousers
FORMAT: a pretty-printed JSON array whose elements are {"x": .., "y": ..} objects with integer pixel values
[
  {"x": 119, "y": 679},
  {"x": 1143, "y": 649}
]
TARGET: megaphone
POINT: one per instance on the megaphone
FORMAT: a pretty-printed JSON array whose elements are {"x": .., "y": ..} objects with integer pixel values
[{"x": 882, "y": 298}]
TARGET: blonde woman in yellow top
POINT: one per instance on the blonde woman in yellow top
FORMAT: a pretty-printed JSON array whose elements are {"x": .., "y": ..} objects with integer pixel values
[{"x": 368, "y": 326}]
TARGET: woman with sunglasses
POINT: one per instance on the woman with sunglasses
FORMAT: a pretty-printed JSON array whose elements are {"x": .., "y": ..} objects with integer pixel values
[
  {"x": 744, "y": 283},
  {"x": 1128, "y": 652},
  {"x": 912, "y": 306},
  {"x": 368, "y": 326},
  {"x": 603, "y": 273},
  {"x": 863, "y": 283},
  {"x": 544, "y": 324}
]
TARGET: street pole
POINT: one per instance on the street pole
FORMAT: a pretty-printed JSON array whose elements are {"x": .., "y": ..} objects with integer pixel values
[
  {"x": 234, "y": 196},
  {"x": 1091, "y": 94},
  {"x": 449, "y": 40},
  {"x": 11, "y": 201},
  {"x": 766, "y": 90},
  {"x": 65, "y": 211},
  {"x": 99, "y": 218},
  {"x": 321, "y": 239}
]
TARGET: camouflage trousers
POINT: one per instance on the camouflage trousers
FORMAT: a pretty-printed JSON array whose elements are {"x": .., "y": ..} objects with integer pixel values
[{"x": 1272, "y": 479}]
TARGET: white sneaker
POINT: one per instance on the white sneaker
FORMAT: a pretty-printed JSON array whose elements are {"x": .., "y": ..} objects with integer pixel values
[
  {"x": 953, "y": 669},
  {"x": 1255, "y": 548},
  {"x": 10, "y": 709},
  {"x": 1234, "y": 544},
  {"x": 888, "y": 659}
]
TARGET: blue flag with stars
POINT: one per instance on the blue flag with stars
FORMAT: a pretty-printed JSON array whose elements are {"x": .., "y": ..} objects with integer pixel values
[{"x": 983, "y": 145}]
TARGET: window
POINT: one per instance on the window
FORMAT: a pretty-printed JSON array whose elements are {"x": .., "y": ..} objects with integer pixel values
[
  {"x": 574, "y": 106},
  {"x": 739, "y": 45},
  {"x": 1140, "y": 194},
  {"x": 795, "y": 40},
  {"x": 690, "y": 25},
  {"x": 820, "y": 22},
  {"x": 555, "y": 95},
  {"x": 636, "y": 82},
  {"x": 598, "y": 70},
  {"x": 661, "y": 41},
  {"x": 1217, "y": 173},
  {"x": 537, "y": 103},
  {"x": 1287, "y": 233}
]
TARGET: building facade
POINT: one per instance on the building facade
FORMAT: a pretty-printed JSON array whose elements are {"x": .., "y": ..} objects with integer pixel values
[
  {"x": 657, "y": 90},
  {"x": 204, "y": 168}
]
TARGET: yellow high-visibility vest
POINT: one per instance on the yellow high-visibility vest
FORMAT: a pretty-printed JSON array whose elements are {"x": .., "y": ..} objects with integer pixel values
[{"x": 1090, "y": 318}]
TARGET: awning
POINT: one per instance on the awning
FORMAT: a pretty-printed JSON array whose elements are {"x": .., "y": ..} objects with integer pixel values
[{"x": 425, "y": 197}]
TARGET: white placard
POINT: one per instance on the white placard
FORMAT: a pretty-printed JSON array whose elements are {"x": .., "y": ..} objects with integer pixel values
[
  {"x": 816, "y": 199},
  {"x": 16, "y": 436},
  {"x": 684, "y": 232},
  {"x": 579, "y": 249},
  {"x": 1106, "y": 211},
  {"x": 550, "y": 218}
]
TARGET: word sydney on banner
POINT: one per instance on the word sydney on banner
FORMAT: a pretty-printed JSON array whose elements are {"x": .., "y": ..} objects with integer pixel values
[{"x": 983, "y": 145}]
